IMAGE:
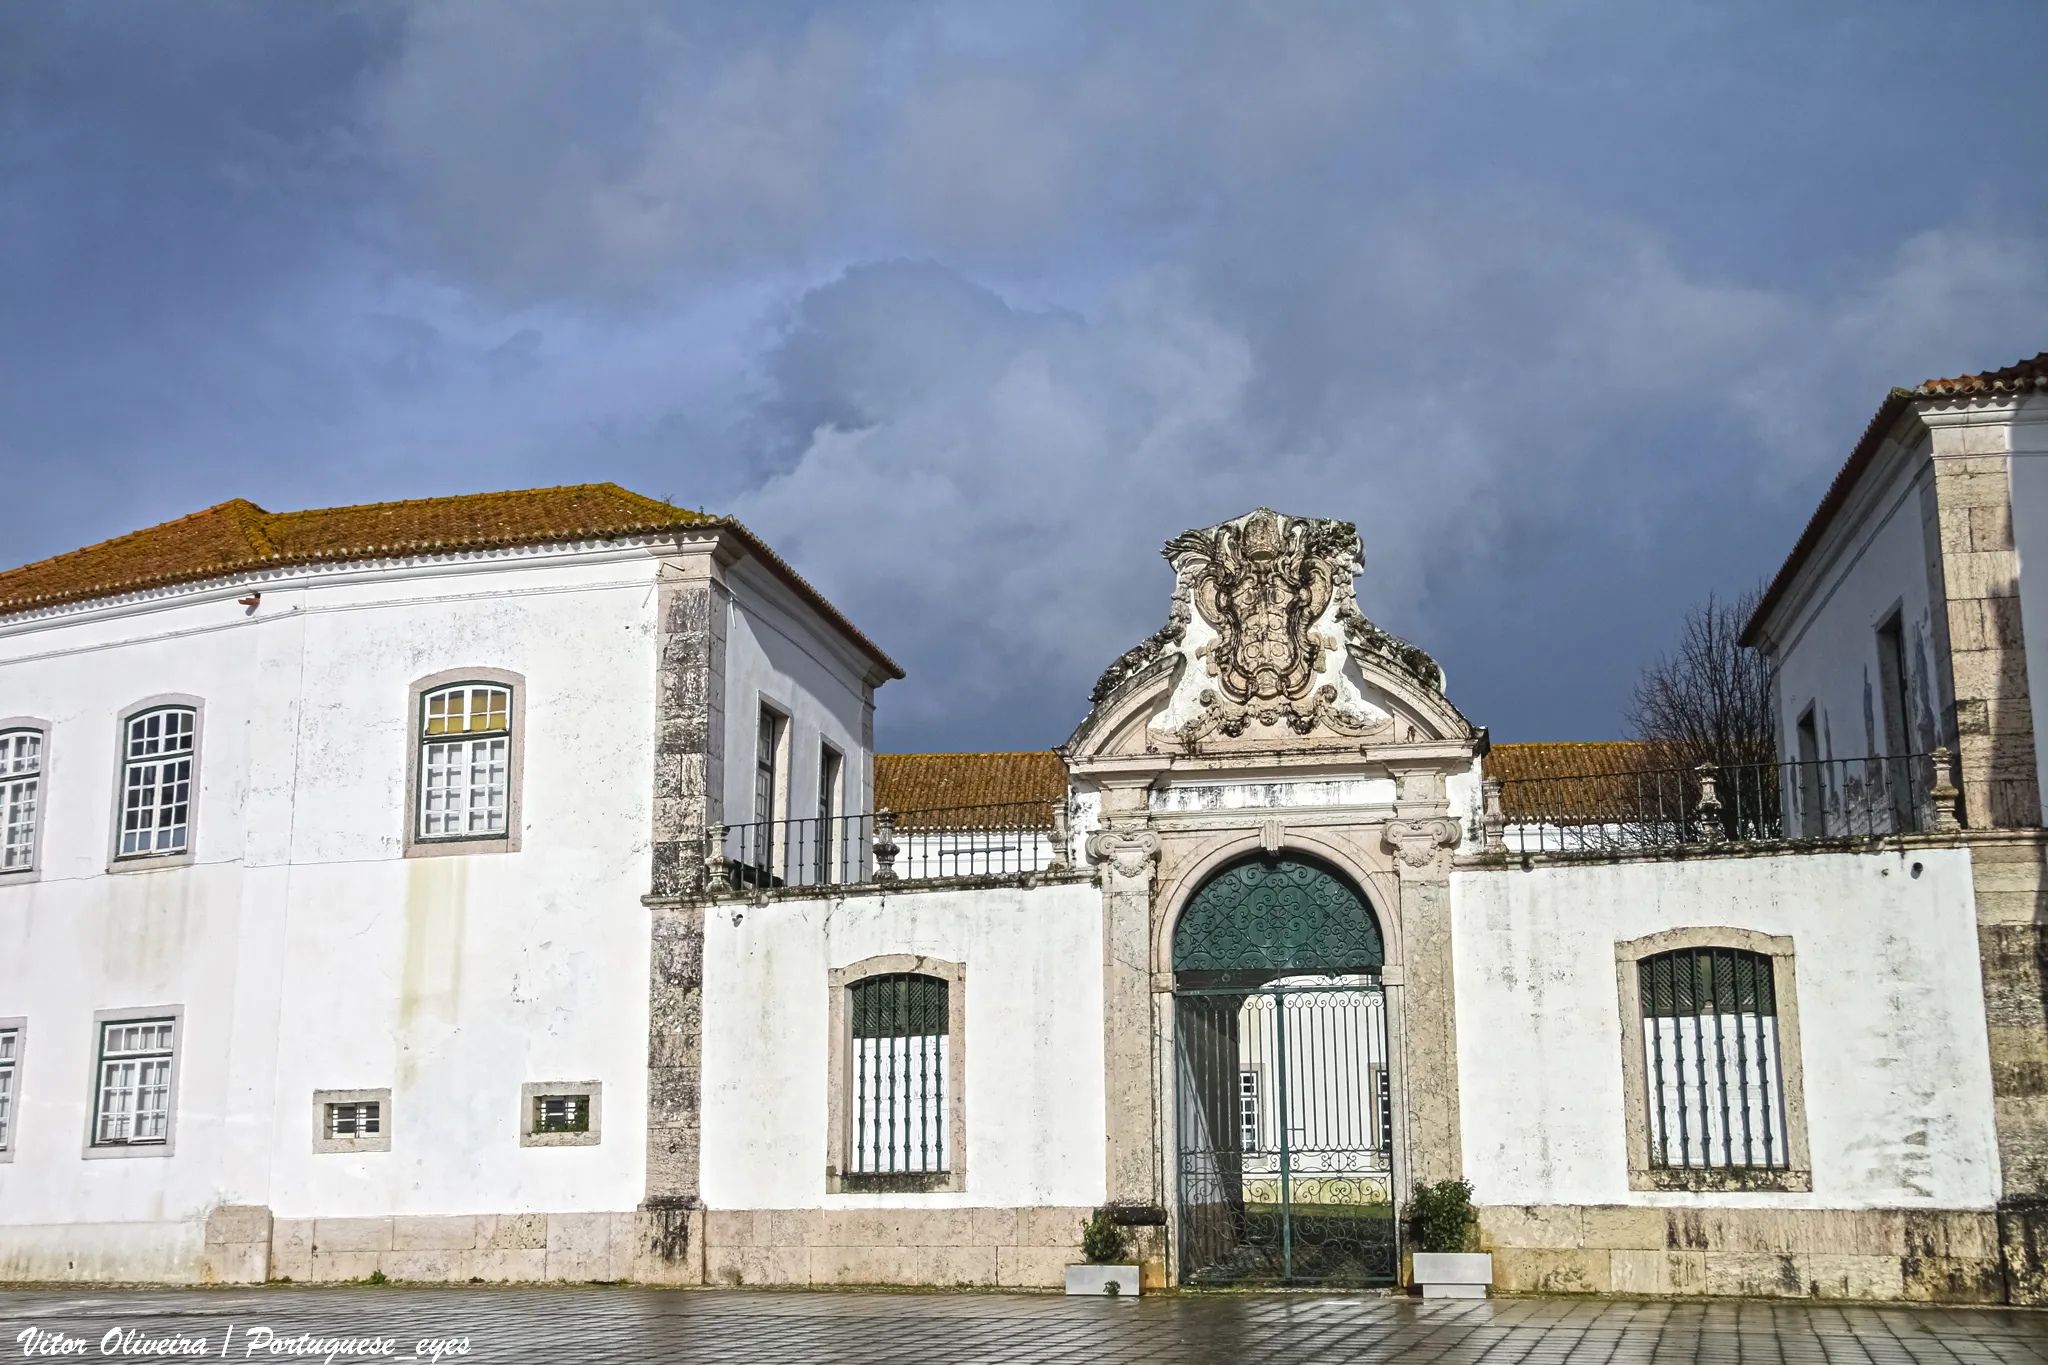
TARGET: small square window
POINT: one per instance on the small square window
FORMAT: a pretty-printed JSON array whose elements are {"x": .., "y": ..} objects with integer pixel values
[
  {"x": 351, "y": 1121},
  {"x": 361, "y": 1119},
  {"x": 560, "y": 1114}
]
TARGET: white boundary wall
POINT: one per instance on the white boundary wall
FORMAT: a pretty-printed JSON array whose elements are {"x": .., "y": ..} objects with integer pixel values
[
  {"x": 1036, "y": 1108},
  {"x": 1891, "y": 1017}
]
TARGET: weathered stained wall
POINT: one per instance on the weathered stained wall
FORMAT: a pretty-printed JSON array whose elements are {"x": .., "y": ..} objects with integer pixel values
[
  {"x": 1827, "y": 648},
  {"x": 1897, "y": 1080},
  {"x": 2028, "y": 486},
  {"x": 774, "y": 658},
  {"x": 308, "y": 952},
  {"x": 1034, "y": 1097}
]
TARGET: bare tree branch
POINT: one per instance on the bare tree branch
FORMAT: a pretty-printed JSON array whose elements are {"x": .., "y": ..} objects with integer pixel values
[{"x": 1710, "y": 699}]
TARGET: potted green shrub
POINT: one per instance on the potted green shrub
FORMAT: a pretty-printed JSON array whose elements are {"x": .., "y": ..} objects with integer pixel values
[
  {"x": 1440, "y": 1226},
  {"x": 1107, "y": 1272}
]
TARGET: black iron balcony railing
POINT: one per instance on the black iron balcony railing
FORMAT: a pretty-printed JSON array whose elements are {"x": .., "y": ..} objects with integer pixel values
[
  {"x": 888, "y": 846},
  {"x": 1653, "y": 808}
]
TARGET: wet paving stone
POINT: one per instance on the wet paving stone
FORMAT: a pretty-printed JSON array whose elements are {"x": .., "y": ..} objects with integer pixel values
[{"x": 458, "y": 1326}]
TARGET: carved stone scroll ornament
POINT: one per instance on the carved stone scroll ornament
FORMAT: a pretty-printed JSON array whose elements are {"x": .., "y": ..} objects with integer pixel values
[
  {"x": 1129, "y": 855},
  {"x": 1231, "y": 720},
  {"x": 1417, "y": 841}
]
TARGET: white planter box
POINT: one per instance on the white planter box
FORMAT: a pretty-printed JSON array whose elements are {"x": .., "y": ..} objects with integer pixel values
[
  {"x": 1453, "y": 1274},
  {"x": 1112, "y": 1281}
]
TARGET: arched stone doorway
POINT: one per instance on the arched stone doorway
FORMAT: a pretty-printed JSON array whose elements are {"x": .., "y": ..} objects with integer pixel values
[{"x": 1284, "y": 1105}]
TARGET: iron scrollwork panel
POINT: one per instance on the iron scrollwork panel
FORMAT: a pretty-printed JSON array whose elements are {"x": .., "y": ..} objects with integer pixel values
[{"x": 1277, "y": 914}]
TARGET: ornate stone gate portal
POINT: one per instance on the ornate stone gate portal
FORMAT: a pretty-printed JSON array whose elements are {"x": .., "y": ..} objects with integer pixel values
[{"x": 1284, "y": 1100}]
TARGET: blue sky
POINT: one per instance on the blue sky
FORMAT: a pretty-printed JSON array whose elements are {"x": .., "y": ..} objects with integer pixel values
[{"x": 1573, "y": 307}]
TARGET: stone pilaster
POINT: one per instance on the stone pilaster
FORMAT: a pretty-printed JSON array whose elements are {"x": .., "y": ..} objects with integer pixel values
[
  {"x": 689, "y": 718},
  {"x": 2009, "y": 873},
  {"x": 1421, "y": 835},
  {"x": 1126, "y": 852},
  {"x": 1993, "y": 710},
  {"x": 689, "y": 779}
]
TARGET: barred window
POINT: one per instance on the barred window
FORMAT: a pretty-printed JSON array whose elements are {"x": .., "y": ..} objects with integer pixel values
[
  {"x": 561, "y": 1113},
  {"x": 10, "y": 1063},
  {"x": 134, "y": 1102},
  {"x": 1716, "y": 1086},
  {"x": 156, "y": 781},
  {"x": 900, "y": 1055},
  {"x": 21, "y": 773},
  {"x": 465, "y": 762},
  {"x": 363, "y": 1118}
]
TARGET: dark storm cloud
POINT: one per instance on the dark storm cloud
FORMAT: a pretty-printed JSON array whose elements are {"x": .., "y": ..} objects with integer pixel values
[{"x": 968, "y": 306}]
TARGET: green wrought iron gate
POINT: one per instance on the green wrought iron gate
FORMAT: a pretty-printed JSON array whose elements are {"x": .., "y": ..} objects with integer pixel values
[{"x": 1283, "y": 1091}]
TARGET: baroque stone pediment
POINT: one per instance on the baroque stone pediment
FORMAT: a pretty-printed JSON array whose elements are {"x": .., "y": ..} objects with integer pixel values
[{"x": 1265, "y": 650}]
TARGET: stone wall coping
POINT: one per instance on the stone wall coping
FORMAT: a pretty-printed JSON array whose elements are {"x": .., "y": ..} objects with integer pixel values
[{"x": 1027, "y": 881}]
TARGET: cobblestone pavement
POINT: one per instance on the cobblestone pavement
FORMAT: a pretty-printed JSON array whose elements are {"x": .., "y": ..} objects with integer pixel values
[{"x": 574, "y": 1324}]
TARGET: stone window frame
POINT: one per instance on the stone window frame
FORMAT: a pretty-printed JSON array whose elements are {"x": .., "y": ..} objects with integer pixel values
[
  {"x": 96, "y": 1150},
  {"x": 17, "y": 1024},
  {"x": 1628, "y": 955},
  {"x": 118, "y": 861},
  {"x": 530, "y": 1136},
  {"x": 415, "y": 757},
  {"x": 324, "y": 1145},
  {"x": 839, "y": 1101},
  {"x": 36, "y": 725}
]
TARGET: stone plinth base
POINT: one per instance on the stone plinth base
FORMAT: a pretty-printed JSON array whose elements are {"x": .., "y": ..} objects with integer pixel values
[
  {"x": 981, "y": 1248},
  {"x": 648, "y": 1246},
  {"x": 1928, "y": 1256}
]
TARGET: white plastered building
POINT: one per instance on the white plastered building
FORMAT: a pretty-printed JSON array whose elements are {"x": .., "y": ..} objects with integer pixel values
[{"x": 506, "y": 888}]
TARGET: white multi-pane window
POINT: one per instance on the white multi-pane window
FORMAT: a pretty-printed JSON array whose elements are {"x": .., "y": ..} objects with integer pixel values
[
  {"x": 156, "y": 781},
  {"x": 465, "y": 762},
  {"x": 10, "y": 1063},
  {"x": 21, "y": 775},
  {"x": 134, "y": 1102}
]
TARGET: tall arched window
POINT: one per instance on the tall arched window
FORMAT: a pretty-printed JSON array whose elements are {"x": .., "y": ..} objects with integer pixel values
[
  {"x": 901, "y": 1075},
  {"x": 158, "y": 750},
  {"x": 21, "y": 780},
  {"x": 465, "y": 765}
]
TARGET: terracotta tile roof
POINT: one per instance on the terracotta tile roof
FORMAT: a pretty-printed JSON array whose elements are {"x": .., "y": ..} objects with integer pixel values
[
  {"x": 942, "y": 782},
  {"x": 2026, "y": 376},
  {"x": 1576, "y": 781},
  {"x": 238, "y": 536}
]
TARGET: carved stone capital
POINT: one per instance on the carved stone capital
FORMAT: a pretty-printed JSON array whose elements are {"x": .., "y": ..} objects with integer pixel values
[
  {"x": 1127, "y": 858},
  {"x": 1420, "y": 843}
]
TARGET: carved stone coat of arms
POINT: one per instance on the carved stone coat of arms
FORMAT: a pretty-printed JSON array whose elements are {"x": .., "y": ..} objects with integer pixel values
[{"x": 1262, "y": 584}]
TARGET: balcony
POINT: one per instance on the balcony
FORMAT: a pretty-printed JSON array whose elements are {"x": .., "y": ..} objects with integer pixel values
[{"x": 963, "y": 844}]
